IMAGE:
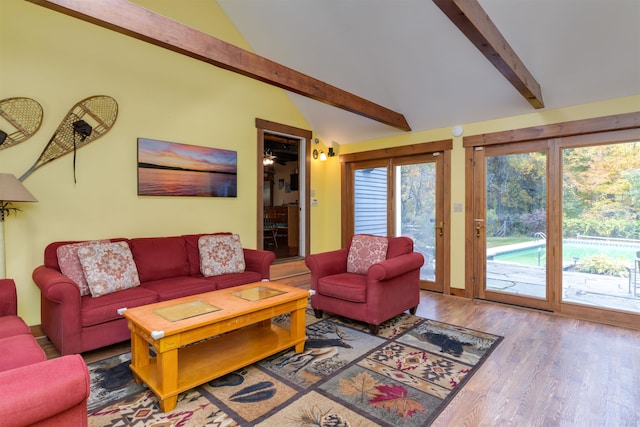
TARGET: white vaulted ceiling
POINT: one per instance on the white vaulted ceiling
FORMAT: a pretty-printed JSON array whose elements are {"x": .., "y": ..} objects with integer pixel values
[{"x": 408, "y": 56}]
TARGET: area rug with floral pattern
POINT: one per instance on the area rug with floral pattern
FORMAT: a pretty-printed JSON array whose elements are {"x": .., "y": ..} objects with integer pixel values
[{"x": 404, "y": 376}]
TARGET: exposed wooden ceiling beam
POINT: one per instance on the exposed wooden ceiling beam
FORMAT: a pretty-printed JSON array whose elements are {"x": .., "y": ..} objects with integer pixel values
[
  {"x": 128, "y": 18},
  {"x": 474, "y": 23}
]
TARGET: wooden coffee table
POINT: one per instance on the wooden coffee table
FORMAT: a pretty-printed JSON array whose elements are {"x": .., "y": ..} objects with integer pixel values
[{"x": 202, "y": 337}]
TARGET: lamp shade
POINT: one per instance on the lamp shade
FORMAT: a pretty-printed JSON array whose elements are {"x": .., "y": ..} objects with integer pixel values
[{"x": 12, "y": 190}]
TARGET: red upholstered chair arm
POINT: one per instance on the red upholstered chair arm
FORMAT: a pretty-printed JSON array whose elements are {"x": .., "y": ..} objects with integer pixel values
[
  {"x": 8, "y": 298},
  {"x": 37, "y": 392},
  {"x": 259, "y": 261},
  {"x": 56, "y": 287},
  {"x": 394, "y": 267},
  {"x": 326, "y": 264}
]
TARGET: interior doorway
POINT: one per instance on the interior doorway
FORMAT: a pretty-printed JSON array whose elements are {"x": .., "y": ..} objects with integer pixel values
[
  {"x": 281, "y": 195},
  {"x": 283, "y": 184}
]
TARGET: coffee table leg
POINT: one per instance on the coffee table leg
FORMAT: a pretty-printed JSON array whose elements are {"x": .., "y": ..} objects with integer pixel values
[
  {"x": 168, "y": 378},
  {"x": 139, "y": 354},
  {"x": 297, "y": 328}
]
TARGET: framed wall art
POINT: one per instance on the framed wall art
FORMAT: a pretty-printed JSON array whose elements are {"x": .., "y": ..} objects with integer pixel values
[{"x": 174, "y": 169}]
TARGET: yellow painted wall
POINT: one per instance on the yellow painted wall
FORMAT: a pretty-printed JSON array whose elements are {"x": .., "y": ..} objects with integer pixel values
[{"x": 58, "y": 60}]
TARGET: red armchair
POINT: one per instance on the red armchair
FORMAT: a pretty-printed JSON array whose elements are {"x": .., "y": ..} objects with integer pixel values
[
  {"x": 387, "y": 288},
  {"x": 49, "y": 393},
  {"x": 35, "y": 391}
]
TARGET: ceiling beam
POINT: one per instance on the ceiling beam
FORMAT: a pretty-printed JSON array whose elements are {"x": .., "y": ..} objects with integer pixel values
[
  {"x": 474, "y": 23},
  {"x": 132, "y": 20}
]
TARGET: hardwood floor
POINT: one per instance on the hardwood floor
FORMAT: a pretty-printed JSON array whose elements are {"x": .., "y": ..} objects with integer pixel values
[{"x": 548, "y": 371}]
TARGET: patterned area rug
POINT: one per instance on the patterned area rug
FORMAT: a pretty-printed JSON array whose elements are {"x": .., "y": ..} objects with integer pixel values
[{"x": 405, "y": 376}]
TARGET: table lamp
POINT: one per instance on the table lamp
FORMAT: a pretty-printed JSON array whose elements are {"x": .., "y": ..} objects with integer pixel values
[{"x": 11, "y": 190}]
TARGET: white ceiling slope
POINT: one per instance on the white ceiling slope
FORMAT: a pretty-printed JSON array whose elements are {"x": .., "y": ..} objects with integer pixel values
[{"x": 406, "y": 55}]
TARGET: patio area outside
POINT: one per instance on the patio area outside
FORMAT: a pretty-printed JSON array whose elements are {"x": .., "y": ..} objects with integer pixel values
[{"x": 614, "y": 292}]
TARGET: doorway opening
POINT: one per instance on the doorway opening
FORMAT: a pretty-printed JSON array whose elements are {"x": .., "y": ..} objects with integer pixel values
[
  {"x": 283, "y": 184},
  {"x": 281, "y": 195}
]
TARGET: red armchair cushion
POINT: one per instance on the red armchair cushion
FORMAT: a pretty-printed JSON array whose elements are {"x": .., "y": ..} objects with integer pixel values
[
  {"x": 8, "y": 298},
  {"x": 399, "y": 246},
  {"x": 20, "y": 350},
  {"x": 345, "y": 286},
  {"x": 13, "y": 325}
]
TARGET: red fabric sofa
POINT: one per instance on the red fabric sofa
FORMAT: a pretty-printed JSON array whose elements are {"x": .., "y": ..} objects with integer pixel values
[
  {"x": 35, "y": 391},
  {"x": 389, "y": 287},
  {"x": 168, "y": 267}
]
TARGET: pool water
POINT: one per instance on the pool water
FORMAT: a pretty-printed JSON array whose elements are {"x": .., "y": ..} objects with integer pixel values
[{"x": 536, "y": 255}]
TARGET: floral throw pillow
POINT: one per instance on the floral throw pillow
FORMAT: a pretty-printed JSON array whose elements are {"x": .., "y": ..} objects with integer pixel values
[
  {"x": 365, "y": 251},
  {"x": 70, "y": 263},
  {"x": 220, "y": 254},
  {"x": 108, "y": 268}
]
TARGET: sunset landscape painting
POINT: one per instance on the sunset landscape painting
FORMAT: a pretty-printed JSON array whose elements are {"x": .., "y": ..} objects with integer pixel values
[{"x": 173, "y": 169}]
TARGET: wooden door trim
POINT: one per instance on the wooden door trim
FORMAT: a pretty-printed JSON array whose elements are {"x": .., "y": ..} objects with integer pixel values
[{"x": 556, "y": 130}]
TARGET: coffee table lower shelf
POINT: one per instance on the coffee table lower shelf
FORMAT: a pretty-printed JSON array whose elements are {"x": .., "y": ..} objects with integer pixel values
[{"x": 213, "y": 358}]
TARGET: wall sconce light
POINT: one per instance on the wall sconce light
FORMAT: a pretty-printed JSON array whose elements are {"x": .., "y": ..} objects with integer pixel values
[
  {"x": 323, "y": 156},
  {"x": 331, "y": 153},
  {"x": 11, "y": 190}
]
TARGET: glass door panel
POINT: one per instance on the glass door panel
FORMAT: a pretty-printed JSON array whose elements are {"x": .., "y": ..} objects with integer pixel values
[
  {"x": 601, "y": 226},
  {"x": 515, "y": 225},
  {"x": 416, "y": 211},
  {"x": 370, "y": 201}
]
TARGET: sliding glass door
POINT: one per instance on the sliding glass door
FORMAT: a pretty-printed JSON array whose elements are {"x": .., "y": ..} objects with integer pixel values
[
  {"x": 403, "y": 196},
  {"x": 511, "y": 225},
  {"x": 601, "y": 226},
  {"x": 555, "y": 225}
]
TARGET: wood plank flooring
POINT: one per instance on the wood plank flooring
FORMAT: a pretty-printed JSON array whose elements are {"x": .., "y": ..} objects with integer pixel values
[{"x": 548, "y": 371}]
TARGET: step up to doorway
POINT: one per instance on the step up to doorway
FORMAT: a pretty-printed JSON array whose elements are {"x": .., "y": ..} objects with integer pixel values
[{"x": 294, "y": 273}]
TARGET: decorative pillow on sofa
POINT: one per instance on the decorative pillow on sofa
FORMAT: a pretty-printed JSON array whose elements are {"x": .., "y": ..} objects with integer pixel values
[
  {"x": 108, "y": 268},
  {"x": 366, "y": 250},
  {"x": 220, "y": 254},
  {"x": 70, "y": 263}
]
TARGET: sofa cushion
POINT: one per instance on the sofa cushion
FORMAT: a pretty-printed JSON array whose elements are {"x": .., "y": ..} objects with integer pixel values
[
  {"x": 235, "y": 279},
  {"x": 13, "y": 325},
  {"x": 345, "y": 286},
  {"x": 221, "y": 255},
  {"x": 159, "y": 257},
  {"x": 108, "y": 268},
  {"x": 99, "y": 310},
  {"x": 366, "y": 250},
  {"x": 70, "y": 263},
  {"x": 193, "y": 252},
  {"x": 178, "y": 287},
  {"x": 20, "y": 350},
  {"x": 51, "y": 251}
]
